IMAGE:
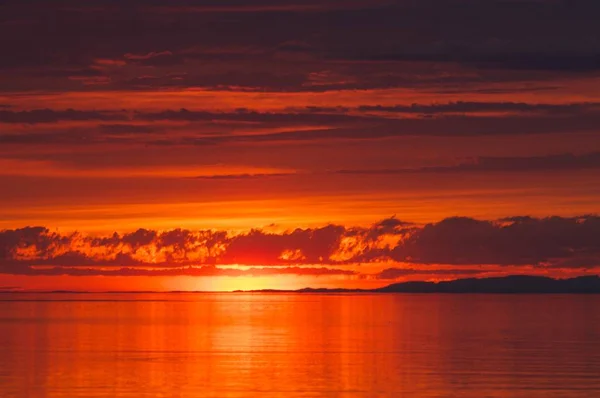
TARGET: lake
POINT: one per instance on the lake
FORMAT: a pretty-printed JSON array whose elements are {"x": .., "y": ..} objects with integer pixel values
[{"x": 299, "y": 345}]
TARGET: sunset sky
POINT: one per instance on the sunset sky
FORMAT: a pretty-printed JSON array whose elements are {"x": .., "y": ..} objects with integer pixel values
[{"x": 248, "y": 144}]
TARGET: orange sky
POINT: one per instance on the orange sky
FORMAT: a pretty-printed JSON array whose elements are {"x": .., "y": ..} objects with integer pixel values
[{"x": 210, "y": 119}]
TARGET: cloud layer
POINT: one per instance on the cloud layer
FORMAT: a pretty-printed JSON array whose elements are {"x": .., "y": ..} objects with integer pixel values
[
  {"x": 314, "y": 46},
  {"x": 554, "y": 242}
]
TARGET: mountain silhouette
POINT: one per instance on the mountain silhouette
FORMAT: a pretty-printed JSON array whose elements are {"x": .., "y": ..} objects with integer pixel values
[
  {"x": 523, "y": 284},
  {"x": 507, "y": 284}
]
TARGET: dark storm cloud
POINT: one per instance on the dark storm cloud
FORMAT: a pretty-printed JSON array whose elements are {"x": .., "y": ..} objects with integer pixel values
[{"x": 555, "y": 242}]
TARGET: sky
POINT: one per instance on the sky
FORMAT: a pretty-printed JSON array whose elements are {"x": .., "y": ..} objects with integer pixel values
[{"x": 223, "y": 145}]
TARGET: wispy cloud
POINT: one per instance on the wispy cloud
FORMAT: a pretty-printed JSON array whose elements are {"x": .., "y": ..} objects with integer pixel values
[
  {"x": 53, "y": 116},
  {"x": 560, "y": 162}
]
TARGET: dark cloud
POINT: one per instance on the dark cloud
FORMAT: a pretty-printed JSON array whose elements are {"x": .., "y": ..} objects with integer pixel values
[
  {"x": 10, "y": 288},
  {"x": 254, "y": 8},
  {"x": 567, "y": 161},
  {"x": 245, "y": 176},
  {"x": 247, "y": 115},
  {"x": 496, "y": 90},
  {"x": 328, "y": 123},
  {"x": 555, "y": 242},
  {"x": 311, "y": 246},
  {"x": 441, "y": 126},
  {"x": 391, "y": 226},
  {"x": 314, "y": 114},
  {"x": 75, "y": 73},
  {"x": 202, "y": 271},
  {"x": 227, "y": 6},
  {"x": 523, "y": 241},
  {"x": 39, "y": 246},
  {"x": 561, "y": 62},
  {"x": 369, "y": 127},
  {"x": 60, "y": 137},
  {"x": 475, "y": 107},
  {"x": 395, "y": 273},
  {"x": 294, "y": 46},
  {"x": 162, "y": 58},
  {"x": 39, "y": 237},
  {"x": 358, "y": 40},
  {"x": 53, "y": 116}
]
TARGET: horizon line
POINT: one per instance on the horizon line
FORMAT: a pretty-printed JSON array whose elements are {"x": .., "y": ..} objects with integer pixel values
[{"x": 303, "y": 290}]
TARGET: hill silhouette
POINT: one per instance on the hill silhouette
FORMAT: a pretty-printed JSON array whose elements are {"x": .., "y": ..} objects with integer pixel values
[
  {"x": 522, "y": 284},
  {"x": 507, "y": 284},
  {"x": 515, "y": 284}
]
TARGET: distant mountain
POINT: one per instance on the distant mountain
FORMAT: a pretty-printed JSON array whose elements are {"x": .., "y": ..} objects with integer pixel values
[
  {"x": 523, "y": 284},
  {"x": 507, "y": 284}
]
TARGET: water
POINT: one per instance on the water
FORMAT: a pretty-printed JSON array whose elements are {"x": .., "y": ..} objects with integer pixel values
[{"x": 286, "y": 345}]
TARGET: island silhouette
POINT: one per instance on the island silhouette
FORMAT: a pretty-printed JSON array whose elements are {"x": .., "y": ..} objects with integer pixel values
[
  {"x": 515, "y": 284},
  {"x": 512, "y": 284}
]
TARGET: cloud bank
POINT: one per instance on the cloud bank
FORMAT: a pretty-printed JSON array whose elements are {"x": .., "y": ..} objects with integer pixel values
[{"x": 553, "y": 242}]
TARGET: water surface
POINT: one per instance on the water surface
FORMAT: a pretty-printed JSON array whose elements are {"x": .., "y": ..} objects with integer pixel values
[{"x": 292, "y": 345}]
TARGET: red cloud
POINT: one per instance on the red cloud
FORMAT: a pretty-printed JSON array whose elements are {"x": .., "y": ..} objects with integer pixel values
[{"x": 550, "y": 242}]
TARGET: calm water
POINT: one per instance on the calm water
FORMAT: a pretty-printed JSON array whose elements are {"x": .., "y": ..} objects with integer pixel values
[{"x": 240, "y": 345}]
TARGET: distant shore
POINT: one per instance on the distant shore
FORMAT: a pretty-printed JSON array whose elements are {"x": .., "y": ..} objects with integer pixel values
[{"x": 513, "y": 284}]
